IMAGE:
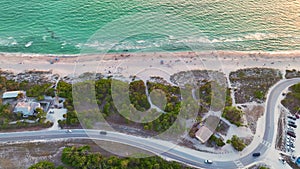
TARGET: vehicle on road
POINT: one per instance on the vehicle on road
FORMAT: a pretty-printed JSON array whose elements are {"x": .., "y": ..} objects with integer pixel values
[
  {"x": 208, "y": 162},
  {"x": 69, "y": 131},
  {"x": 256, "y": 154},
  {"x": 103, "y": 132}
]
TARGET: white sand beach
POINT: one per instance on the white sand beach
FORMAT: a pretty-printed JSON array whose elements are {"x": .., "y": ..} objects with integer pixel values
[{"x": 148, "y": 64}]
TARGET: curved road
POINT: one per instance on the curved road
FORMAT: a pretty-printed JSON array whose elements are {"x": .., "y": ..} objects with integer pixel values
[{"x": 164, "y": 148}]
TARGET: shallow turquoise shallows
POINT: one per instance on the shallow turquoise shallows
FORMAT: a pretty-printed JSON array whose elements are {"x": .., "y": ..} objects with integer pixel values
[{"x": 65, "y": 26}]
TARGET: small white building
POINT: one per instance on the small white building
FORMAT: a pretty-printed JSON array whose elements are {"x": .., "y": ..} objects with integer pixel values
[{"x": 12, "y": 94}]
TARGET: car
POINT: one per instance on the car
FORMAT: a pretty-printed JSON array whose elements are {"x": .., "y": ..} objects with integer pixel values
[
  {"x": 256, "y": 154},
  {"x": 208, "y": 162},
  {"x": 51, "y": 112},
  {"x": 291, "y": 117},
  {"x": 291, "y": 122},
  {"x": 69, "y": 131},
  {"x": 290, "y": 129},
  {"x": 297, "y": 116},
  {"x": 292, "y": 139},
  {"x": 292, "y": 134},
  {"x": 292, "y": 149},
  {"x": 282, "y": 160},
  {"x": 103, "y": 132},
  {"x": 292, "y": 125}
]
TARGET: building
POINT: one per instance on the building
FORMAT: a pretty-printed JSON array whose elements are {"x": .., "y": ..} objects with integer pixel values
[
  {"x": 207, "y": 130},
  {"x": 12, "y": 94},
  {"x": 203, "y": 134},
  {"x": 26, "y": 108}
]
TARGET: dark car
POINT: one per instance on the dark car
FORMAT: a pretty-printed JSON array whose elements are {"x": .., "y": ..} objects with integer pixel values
[
  {"x": 103, "y": 132},
  {"x": 256, "y": 154},
  {"x": 291, "y": 122},
  {"x": 291, "y": 117},
  {"x": 292, "y": 125},
  {"x": 297, "y": 116},
  {"x": 292, "y": 134}
]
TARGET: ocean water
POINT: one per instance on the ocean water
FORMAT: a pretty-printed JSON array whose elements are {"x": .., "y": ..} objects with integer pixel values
[{"x": 66, "y": 26}]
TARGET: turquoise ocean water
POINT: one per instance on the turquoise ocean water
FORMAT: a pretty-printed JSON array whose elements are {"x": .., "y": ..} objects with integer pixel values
[{"x": 64, "y": 26}]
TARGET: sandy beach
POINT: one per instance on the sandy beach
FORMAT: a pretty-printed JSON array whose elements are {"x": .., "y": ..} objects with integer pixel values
[{"x": 144, "y": 65}]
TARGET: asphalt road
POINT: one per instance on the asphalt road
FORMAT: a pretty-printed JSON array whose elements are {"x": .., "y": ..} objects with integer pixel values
[{"x": 164, "y": 148}]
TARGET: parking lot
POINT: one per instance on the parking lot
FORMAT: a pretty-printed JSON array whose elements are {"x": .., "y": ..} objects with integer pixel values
[{"x": 291, "y": 138}]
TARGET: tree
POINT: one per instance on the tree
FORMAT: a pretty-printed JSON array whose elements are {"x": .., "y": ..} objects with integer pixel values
[
  {"x": 43, "y": 165},
  {"x": 237, "y": 143}
]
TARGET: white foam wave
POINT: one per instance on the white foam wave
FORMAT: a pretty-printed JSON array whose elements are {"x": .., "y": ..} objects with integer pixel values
[
  {"x": 10, "y": 41},
  {"x": 252, "y": 36},
  {"x": 140, "y": 41}
]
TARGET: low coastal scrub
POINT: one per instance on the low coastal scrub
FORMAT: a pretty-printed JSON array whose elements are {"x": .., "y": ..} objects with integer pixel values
[
  {"x": 292, "y": 99},
  {"x": 233, "y": 115},
  {"x": 252, "y": 84},
  {"x": 217, "y": 141},
  {"x": 82, "y": 157}
]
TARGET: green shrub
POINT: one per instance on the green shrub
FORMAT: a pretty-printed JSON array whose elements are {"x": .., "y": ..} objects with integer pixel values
[
  {"x": 233, "y": 115},
  {"x": 237, "y": 143}
]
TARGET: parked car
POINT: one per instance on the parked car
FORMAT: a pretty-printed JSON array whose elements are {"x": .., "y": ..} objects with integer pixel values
[
  {"x": 292, "y": 139},
  {"x": 292, "y": 145},
  {"x": 290, "y": 129},
  {"x": 208, "y": 162},
  {"x": 291, "y": 117},
  {"x": 291, "y": 122},
  {"x": 292, "y": 149},
  {"x": 297, "y": 116},
  {"x": 292, "y": 134},
  {"x": 282, "y": 160},
  {"x": 292, "y": 125},
  {"x": 256, "y": 154}
]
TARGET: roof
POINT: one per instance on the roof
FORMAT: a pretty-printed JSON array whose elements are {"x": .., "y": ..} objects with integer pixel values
[
  {"x": 212, "y": 122},
  {"x": 203, "y": 134},
  {"x": 11, "y": 94},
  {"x": 26, "y": 108}
]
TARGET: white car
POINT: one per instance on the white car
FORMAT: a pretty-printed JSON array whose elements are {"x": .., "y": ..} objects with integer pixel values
[
  {"x": 208, "y": 162},
  {"x": 69, "y": 131},
  {"x": 282, "y": 160}
]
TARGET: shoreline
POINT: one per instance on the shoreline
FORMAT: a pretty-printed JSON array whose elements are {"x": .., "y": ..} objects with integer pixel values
[
  {"x": 148, "y": 63},
  {"x": 286, "y": 53}
]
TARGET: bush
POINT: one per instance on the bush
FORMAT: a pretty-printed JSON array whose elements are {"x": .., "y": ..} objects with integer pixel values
[
  {"x": 219, "y": 142},
  {"x": 237, "y": 143},
  {"x": 233, "y": 115}
]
